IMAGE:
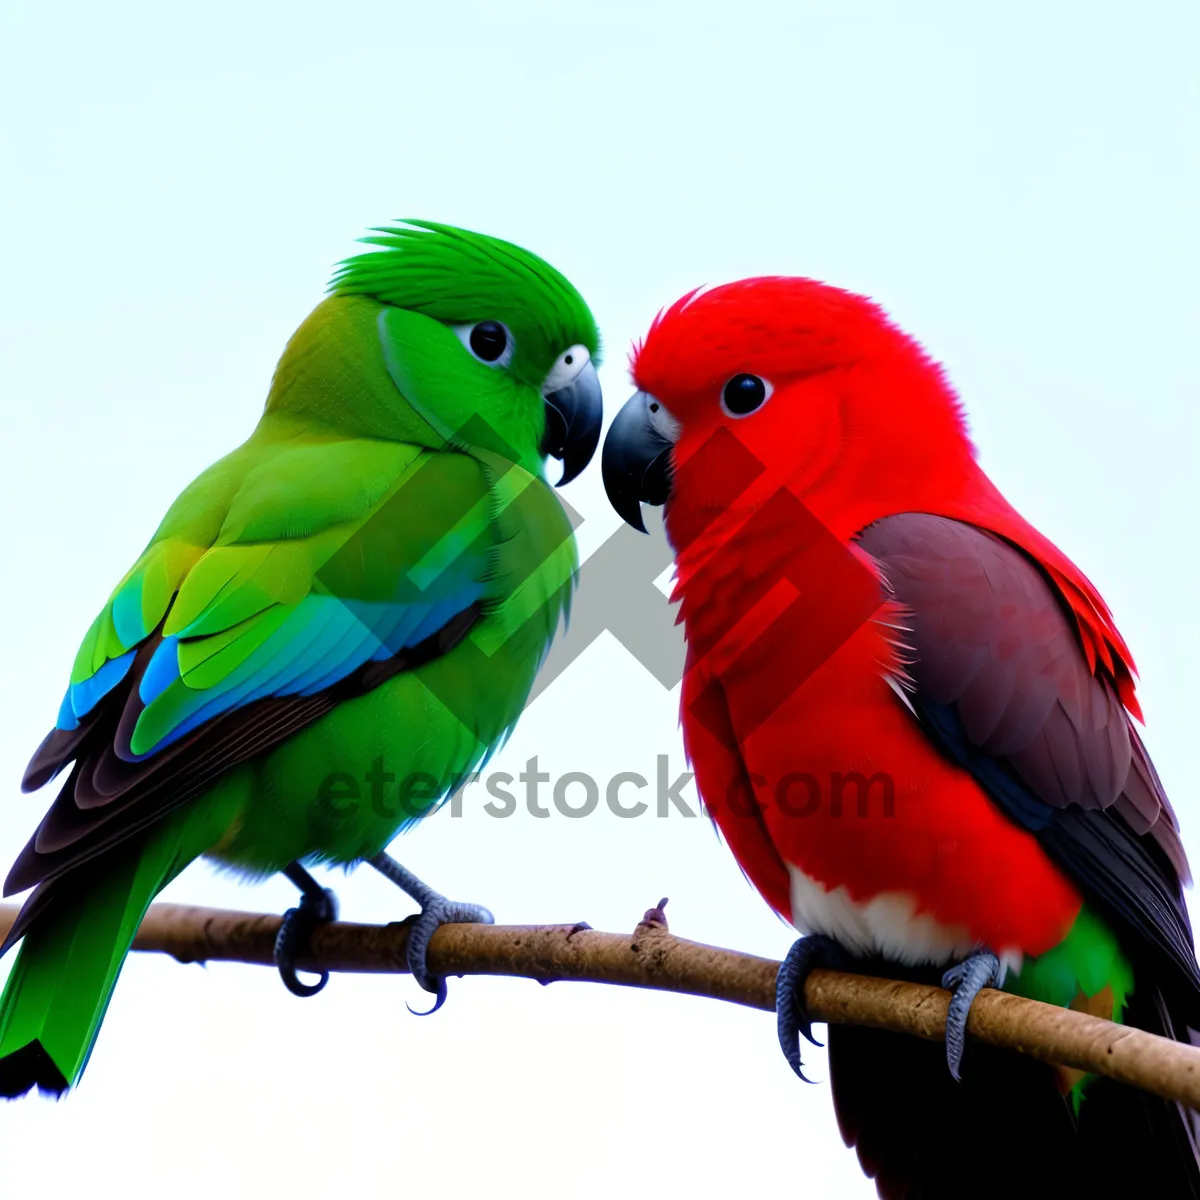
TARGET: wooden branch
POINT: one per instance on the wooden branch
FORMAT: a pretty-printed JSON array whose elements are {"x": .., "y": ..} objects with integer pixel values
[{"x": 655, "y": 958}]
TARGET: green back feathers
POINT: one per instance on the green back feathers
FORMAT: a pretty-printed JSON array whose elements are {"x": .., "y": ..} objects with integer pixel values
[{"x": 460, "y": 277}]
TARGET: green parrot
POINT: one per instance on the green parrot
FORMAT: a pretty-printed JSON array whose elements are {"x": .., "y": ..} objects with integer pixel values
[{"x": 363, "y": 591}]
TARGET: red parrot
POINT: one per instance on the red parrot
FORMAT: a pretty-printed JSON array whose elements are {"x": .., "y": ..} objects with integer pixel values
[{"x": 912, "y": 718}]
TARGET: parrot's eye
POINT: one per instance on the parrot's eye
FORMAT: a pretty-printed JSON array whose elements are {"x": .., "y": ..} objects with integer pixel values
[
  {"x": 488, "y": 341},
  {"x": 744, "y": 393}
]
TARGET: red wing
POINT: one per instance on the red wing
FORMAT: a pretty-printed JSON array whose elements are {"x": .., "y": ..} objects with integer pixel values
[{"x": 1003, "y": 686}]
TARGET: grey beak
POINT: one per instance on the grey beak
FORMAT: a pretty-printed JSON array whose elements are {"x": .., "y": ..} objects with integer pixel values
[
  {"x": 574, "y": 415},
  {"x": 636, "y": 463}
]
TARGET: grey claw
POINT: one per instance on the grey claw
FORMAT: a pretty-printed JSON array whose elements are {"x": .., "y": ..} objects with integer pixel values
[
  {"x": 436, "y": 913},
  {"x": 438, "y": 1002},
  {"x": 317, "y": 906},
  {"x": 966, "y": 981},
  {"x": 792, "y": 1017}
]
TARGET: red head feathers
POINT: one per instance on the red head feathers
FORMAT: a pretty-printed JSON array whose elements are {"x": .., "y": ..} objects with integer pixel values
[{"x": 838, "y": 404}]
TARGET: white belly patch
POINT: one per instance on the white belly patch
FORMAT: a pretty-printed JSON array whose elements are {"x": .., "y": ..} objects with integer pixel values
[{"x": 888, "y": 924}]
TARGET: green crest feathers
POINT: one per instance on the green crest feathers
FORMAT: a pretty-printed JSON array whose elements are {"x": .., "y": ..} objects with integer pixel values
[{"x": 457, "y": 276}]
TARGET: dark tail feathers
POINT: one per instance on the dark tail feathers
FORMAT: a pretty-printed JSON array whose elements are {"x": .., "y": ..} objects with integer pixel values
[{"x": 1006, "y": 1130}]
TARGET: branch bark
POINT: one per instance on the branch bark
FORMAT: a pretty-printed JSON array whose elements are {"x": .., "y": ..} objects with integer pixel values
[{"x": 655, "y": 958}]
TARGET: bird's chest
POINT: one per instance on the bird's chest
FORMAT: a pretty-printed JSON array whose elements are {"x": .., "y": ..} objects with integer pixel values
[{"x": 831, "y": 794}]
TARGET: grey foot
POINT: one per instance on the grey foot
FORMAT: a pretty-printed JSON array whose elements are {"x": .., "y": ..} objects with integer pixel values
[
  {"x": 791, "y": 1013},
  {"x": 966, "y": 981},
  {"x": 317, "y": 906},
  {"x": 436, "y": 911}
]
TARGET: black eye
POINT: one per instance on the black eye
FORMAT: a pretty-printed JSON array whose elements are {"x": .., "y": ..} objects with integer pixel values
[
  {"x": 744, "y": 393},
  {"x": 489, "y": 340}
]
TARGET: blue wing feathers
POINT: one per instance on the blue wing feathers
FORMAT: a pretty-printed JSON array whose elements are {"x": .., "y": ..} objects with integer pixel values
[
  {"x": 241, "y": 621},
  {"x": 322, "y": 641},
  {"x": 82, "y": 697},
  {"x": 161, "y": 671}
]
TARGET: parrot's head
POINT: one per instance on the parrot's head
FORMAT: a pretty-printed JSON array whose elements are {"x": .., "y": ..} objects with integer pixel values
[
  {"x": 776, "y": 382},
  {"x": 487, "y": 342}
]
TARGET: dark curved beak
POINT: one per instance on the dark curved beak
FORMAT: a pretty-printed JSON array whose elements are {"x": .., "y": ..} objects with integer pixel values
[
  {"x": 574, "y": 415},
  {"x": 636, "y": 463}
]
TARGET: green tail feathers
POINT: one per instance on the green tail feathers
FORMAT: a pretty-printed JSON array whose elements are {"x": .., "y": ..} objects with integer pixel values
[
  {"x": 68, "y": 965},
  {"x": 1087, "y": 971}
]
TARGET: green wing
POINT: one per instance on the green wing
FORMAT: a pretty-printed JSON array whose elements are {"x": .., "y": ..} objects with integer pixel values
[{"x": 332, "y": 565}]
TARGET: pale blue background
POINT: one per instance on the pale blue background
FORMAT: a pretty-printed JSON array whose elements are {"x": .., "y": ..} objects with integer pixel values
[{"x": 1019, "y": 184}]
